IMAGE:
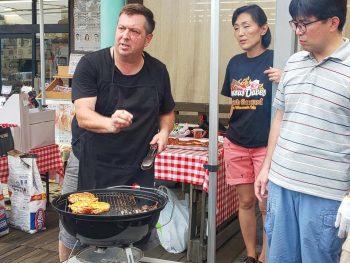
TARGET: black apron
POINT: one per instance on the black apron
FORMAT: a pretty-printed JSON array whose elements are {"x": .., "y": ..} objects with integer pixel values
[{"x": 115, "y": 159}]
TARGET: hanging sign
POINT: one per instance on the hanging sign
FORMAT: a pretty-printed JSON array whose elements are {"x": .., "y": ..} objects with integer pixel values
[{"x": 86, "y": 25}]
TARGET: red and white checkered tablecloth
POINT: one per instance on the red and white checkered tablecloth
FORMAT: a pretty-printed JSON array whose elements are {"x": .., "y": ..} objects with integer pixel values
[
  {"x": 7, "y": 125},
  {"x": 48, "y": 159},
  {"x": 186, "y": 165}
]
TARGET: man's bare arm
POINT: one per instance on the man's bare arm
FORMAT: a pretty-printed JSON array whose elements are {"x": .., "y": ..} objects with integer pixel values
[
  {"x": 90, "y": 120},
  {"x": 262, "y": 179}
]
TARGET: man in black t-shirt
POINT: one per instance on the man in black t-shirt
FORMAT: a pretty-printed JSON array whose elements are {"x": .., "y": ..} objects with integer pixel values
[{"x": 123, "y": 104}]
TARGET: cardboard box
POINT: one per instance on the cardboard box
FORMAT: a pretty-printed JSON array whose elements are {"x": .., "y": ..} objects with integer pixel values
[
  {"x": 62, "y": 72},
  {"x": 41, "y": 128},
  {"x": 16, "y": 134},
  {"x": 36, "y": 128}
]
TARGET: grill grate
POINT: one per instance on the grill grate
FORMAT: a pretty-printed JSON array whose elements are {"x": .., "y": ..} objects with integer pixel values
[{"x": 123, "y": 203}]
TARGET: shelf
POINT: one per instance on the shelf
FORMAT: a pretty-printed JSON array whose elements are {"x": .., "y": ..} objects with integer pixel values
[
  {"x": 49, "y": 91},
  {"x": 63, "y": 76}
]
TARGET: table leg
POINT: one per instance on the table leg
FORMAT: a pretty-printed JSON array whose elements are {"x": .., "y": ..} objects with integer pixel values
[
  {"x": 204, "y": 225},
  {"x": 193, "y": 211},
  {"x": 197, "y": 239},
  {"x": 192, "y": 223},
  {"x": 196, "y": 251}
]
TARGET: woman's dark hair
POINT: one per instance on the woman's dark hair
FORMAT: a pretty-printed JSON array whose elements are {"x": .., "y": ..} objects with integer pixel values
[
  {"x": 321, "y": 9},
  {"x": 138, "y": 9},
  {"x": 258, "y": 15}
]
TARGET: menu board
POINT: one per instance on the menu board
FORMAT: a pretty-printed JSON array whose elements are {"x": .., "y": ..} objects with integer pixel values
[{"x": 86, "y": 25}]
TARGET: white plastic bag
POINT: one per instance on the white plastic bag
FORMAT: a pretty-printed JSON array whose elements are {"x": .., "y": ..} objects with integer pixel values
[
  {"x": 180, "y": 131},
  {"x": 172, "y": 227},
  {"x": 4, "y": 228},
  {"x": 27, "y": 195}
]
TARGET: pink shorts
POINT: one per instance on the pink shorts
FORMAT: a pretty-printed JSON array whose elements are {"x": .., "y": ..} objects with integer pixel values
[{"x": 242, "y": 165}]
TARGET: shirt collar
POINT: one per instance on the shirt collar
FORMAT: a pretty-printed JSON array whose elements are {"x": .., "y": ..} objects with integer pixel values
[{"x": 341, "y": 53}]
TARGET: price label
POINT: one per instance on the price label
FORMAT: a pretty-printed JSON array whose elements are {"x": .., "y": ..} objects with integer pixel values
[
  {"x": 6, "y": 90},
  {"x": 73, "y": 62}
]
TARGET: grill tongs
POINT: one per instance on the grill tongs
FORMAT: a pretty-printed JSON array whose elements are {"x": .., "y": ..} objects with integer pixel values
[{"x": 147, "y": 163}]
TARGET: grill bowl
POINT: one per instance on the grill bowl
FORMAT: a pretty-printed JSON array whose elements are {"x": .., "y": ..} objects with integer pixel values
[{"x": 112, "y": 228}]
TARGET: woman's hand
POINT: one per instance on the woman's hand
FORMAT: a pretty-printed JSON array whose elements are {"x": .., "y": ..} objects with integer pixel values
[{"x": 274, "y": 74}]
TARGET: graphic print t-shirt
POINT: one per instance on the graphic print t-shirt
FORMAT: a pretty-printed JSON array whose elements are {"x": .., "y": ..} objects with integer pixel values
[{"x": 251, "y": 91}]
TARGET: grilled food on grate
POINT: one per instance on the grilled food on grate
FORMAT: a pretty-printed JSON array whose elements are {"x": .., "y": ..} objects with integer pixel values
[
  {"x": 84, "y": 196},
  {"x": 89, "y": 207},
  {"x": 120, "y": 203}
]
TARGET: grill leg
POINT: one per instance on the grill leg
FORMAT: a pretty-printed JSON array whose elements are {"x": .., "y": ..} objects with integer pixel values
[{"x": 129, "y": 255}]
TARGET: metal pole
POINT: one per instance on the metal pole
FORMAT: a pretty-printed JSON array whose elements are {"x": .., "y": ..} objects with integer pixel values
[
  {"x": 284, "y": 41},
  {"x": 284, "y": 47},
  {"x": 42, "y": 52},
  {"x": 213, "y": 128}
]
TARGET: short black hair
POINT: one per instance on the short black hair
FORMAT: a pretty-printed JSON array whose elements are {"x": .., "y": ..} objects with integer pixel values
[
  {"x": 258, "y": 15},
  {"x": 139, "y": 9},
  {"x": 321, "y": 9}
]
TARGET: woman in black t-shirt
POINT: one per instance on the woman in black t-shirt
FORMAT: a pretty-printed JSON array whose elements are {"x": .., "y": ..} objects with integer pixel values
[{"x": 248, "y": 81}]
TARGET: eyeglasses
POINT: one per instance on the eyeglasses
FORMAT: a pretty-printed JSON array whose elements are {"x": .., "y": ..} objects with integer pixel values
[{"x": 302, "y": 26}]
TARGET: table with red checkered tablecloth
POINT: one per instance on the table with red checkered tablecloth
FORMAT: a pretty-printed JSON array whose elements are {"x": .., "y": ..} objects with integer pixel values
[
  {"x": 186, "y": 165},
  {"x": 48, "y": 159}
]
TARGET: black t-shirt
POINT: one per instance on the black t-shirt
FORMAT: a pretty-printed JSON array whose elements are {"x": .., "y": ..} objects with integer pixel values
[
  {"x": 93, "y": 76},
  {"x": 251, "y": 92}
]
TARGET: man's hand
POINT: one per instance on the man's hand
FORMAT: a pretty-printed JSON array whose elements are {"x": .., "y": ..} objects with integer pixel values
[
  {"x": 161, "y": 139},
  {"x": 121, "y": 119},
  {"x": 343, "y": 218},
  {"x": 260, "y": 185}
]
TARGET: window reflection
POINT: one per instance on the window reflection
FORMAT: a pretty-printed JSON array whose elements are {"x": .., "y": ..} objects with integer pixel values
[
  {"x": 16, "y": 59},
  {"x": 15, "y": 13},
  {"x": 55, "y": 12},
  {"x": 56, "y": 53},
  {"x": 20, "y": 12}
]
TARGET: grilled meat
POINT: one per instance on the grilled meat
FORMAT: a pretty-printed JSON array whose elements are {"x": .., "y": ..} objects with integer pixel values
[
  {"x": 89, "y": 207},
  {"x": 84, "y": 196}
]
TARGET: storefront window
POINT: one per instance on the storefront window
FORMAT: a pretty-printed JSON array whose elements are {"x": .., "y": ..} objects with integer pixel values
[
  {"x": 16, "y": 60},
  {"x": 56, "y": 53},
  {"x": 15, "y": 12},
  {"x": 55, "y": 12}
]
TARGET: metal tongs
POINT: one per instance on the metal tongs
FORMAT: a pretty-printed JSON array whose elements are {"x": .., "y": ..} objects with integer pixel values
[{"x": 147, "y": 163}]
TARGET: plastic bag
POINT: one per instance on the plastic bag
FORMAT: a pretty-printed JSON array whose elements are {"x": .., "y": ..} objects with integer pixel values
[
  {"x": 172, "y": 226},
  {"x": 27, "y": 195},
  {"x": 180, "y": 131}
]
